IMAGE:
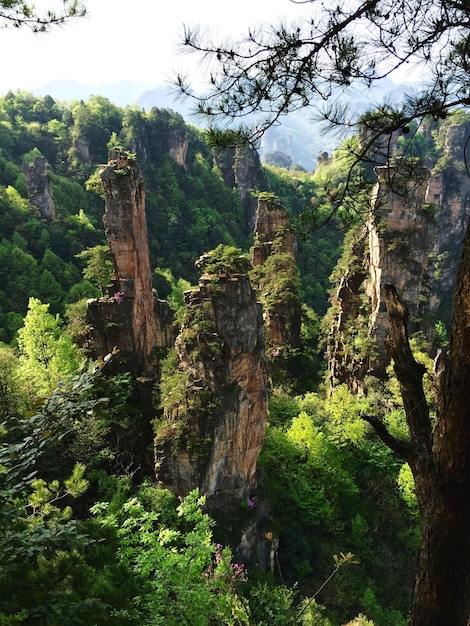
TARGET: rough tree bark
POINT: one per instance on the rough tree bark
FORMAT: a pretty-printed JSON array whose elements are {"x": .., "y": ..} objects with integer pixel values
[{"x": 439, "y": 456}]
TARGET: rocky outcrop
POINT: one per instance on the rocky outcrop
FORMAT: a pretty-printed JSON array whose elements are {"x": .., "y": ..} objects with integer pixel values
[
  {"x": 178, "y": 143},
  {"x": 413, "y": 240},
  {"x": 275, "y": 275},
  {"x": 39, "y": 187},
  {"x": 241, "y": 168},
  {"x": 82, "y": 151},
  {"x": 350, "y": 352},
  {"x": 402, "y": 243},
  {"x": 214, "y": 399},
  {"x": 162, "y": 130},
  {"x": 273, "y": 231},
  {"x": 165, "y": 327},
  {"x": 125, "y": 319}
]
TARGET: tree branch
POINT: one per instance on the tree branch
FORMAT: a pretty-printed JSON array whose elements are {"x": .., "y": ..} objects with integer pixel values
[
  {"x": 21, "y": 13},
  {"x": 408, "y": 372},
  {"x": 403, "y": 449}
]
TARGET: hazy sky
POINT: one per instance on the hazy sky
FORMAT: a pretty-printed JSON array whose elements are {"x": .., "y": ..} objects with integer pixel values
[{"x": 124, "y": 40}]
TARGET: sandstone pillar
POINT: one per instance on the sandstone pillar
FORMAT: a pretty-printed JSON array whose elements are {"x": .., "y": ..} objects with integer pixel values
[
  {"x": 215, "y": 407},
  {"x": 39, "y": 187},
  {"x": 276, "y": 277},
  {"x": 126, "y": 318}
]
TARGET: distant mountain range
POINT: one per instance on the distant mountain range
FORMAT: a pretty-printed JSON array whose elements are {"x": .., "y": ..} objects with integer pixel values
[
  {"x": 123, "y": 93},
  {"x": 299, "y": 137}
]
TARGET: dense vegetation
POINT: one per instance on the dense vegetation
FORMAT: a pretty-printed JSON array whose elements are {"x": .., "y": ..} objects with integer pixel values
[
  {"x": 86, "y": 536},
  {"x": 190, "y": 210}
]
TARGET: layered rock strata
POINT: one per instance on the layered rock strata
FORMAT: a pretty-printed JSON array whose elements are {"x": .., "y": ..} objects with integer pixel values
[
  {"x": 126, "y": 318},
  {"x": 401, "y": 245},
  {"x": 275, "y": 275},
  {"x": 412, "y": 240},
  {"x": 214, "y": 420}
]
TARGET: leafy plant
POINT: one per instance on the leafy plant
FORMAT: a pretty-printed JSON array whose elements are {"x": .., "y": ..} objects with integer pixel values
[
  {"x": 224, "y": 260},
  {"x": 184, "y": 577}
]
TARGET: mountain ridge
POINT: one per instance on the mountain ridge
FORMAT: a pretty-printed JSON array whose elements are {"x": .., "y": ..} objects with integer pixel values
[{"x": 298, "y": 136}]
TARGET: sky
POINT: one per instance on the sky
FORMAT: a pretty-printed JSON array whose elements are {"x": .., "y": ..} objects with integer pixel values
[{"x": 122, "y": 40}]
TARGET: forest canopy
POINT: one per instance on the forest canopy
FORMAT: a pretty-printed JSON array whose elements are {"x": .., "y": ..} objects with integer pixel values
[{"x": 97, "y": 538}]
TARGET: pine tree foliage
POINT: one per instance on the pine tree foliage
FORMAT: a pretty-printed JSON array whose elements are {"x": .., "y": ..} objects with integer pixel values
[
  {"x": 282, "y": 68},
  {"x": 21, "y": 13}
]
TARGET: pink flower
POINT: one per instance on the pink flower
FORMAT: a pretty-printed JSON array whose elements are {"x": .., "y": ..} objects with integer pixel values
[{"x": 119, "y": 296}]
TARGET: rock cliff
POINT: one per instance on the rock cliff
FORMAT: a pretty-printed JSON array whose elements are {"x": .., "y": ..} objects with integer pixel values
[
  {"x": 275, "y": 276},
  {"x": 402, "y": 241},
  {"x": 178, "y": 143},
  {"x": 412, "y": 240},
  {"x": 39, "y": 187},
  {"x": 126, "y": 318},
  {"x": 241, "y": 168},
  {"x": 82, "y": 152},
  {"x": 161, "y": 129},
  {"x": 214, "y": 399}
]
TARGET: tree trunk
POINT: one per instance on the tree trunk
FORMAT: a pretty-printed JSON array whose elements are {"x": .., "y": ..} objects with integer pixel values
[
  {"x": 439, "y": 457},
  {"x": 441, "y": 593}
]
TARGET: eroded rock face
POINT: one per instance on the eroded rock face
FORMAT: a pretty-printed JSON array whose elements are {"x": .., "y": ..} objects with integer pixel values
[
  {"x": 82, "y": 150},
  {"x": 241, "y": 168},
  {"x": 274, "y": 240},
  {"x": 272, "y": 229},
  {"x": 413, "y": 240},
  {"x": 214, "y": 425},
  {"x": 402, "y": 240},
  {"x": 165, "y": 323},
  {"x": 154, "y": 133},
  {"x": 39, "y": 187},
  {"x": 126, "y": 318},
  {"x": 178, "y": 143},
  {"x": 347, "y": 366}
]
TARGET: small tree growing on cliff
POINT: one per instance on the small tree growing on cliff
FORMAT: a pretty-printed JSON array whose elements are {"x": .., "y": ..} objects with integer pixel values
[
  {"x": 224, "y": 260},
  {"x": 99, "y": 267},
  {"x": 282, "y": 69}
]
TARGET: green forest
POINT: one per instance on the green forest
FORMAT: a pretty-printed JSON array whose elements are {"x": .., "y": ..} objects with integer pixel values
[{"x": 90, "y": 537}]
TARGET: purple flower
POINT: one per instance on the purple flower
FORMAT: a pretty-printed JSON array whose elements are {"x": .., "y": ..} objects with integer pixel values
[
  {"x": 238, "y": 572},
  {"x": 119, "y": 296}
]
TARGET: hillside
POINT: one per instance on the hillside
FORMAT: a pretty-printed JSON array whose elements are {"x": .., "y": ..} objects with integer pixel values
[
  {"x": 171, "y": 452},
  {"x": 190, "y": 207},
  {"x": 299, "y": 136}
]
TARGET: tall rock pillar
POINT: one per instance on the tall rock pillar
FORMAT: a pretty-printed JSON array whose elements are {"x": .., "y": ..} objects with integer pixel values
[
  {"x": 39, "y": 187},
  {"x": 125, "y": 318},
  {"x": 275, "y": 276},
  {"x": 214, "y": 401}
]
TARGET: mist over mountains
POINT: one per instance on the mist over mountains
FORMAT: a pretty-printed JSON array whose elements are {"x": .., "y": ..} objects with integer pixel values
[{"x": 300, "y": 136}]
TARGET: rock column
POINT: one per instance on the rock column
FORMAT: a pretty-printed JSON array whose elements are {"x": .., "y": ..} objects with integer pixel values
[
  {"x": 126, "y": 318},
  {"x": 276, "y": 275},
  {"x": 39, "y": 187},
  {"x": 215, "y": 408}
]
